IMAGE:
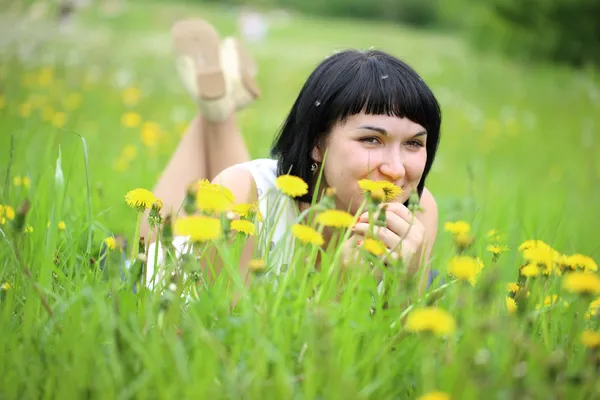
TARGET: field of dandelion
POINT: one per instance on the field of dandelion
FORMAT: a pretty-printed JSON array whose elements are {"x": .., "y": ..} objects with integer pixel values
[{"x": 518, "y": 156}]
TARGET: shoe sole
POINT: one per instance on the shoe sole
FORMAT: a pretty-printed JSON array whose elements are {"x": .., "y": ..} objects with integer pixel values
[
  {"x": 247, "y": 68},
  {"x": 198, "y": 40}
]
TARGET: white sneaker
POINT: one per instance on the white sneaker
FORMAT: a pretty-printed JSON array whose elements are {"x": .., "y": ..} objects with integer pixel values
[{"x": 219, "y": 76}]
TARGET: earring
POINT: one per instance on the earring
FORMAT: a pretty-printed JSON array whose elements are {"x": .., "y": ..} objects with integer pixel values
[{"x": 314, "y": 167}]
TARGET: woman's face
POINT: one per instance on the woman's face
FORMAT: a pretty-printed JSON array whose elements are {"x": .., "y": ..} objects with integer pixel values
[{"x": 376, "y": 147}]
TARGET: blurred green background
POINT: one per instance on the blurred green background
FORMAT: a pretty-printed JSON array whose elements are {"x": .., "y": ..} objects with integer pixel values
[{"x": 519, "y": 91}]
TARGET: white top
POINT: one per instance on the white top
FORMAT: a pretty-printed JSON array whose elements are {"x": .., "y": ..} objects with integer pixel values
[{"x": 279, "y": 214}]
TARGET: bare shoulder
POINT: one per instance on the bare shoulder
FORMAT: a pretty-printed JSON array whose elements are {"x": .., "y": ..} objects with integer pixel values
[{"x": 241, "y": 183}]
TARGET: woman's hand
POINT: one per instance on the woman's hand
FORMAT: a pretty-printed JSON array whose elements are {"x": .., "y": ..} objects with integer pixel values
[{"x": 403, "y": 234}]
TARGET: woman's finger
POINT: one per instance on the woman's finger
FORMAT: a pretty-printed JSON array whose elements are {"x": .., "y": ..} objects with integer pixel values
[{"x": 389, "y": 238}]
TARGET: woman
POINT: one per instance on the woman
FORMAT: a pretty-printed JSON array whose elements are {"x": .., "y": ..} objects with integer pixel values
[{"x": 368, "y": 112}]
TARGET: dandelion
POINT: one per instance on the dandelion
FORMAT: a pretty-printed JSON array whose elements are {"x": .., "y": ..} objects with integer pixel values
[
  {"x": 198, "y": 228},
  {"x": 204, "y": 185},
  {"x": 243, "y": 226},
  {"x": 593, "y": 309},
  {"x": 374, "y": 247},
  {"x": 248, "y": 210},
  {"x": 512, "y": 287},
  {"x": 433, "y": 395},
  {"x": 26, "y": 182},
  {"x": 582, "y": 283},
  {"x": 457, "y": 227},
  {"x": 256, "y": 265},
  {"x": 292, "y": 186},
  {"x": 307, "y": 235},
  {"x": 590, "y": 339},
  {"x": 62, "y": 226},
  {"x": 111, "y": 243},
  {"x": 376, "y": 188},
  {"x": 465, "y": 268},
  {"x": 430, "y": 319},
  {"x": 142, "y": 199},
  {"x": 530, "y": 270},
  {"x": 131, "y": 120},
  {"x": 7, "y": 211},
  {"x": 59, "y": 119},
  {"x": 336, "y": 218},
  {"x": 213, "y": 200},
  {"x": 511, "y": 304},
  {"x": 496, "y": 249},
  {"x": 5, "y": 286},
  {"x": 529, "y": 244},
  {"x": 579, "y": 261},
  {"x": 150, "y": 133},
  {"x": 543, "y": 256},
  {"x": 131, "y": 96}
]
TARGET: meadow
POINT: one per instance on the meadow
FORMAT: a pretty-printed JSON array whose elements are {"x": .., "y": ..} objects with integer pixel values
[{"x": 92, "y": 112}]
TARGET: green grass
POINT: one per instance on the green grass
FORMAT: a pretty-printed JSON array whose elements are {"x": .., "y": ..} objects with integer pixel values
[{"x": 518, "y": 153}]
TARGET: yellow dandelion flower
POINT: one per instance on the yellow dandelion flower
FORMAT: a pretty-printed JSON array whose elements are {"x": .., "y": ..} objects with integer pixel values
[
  {"x": 62, "y": 226},
  {"x": 593, "y": 309},
  {"x": 530, "y": 270},
  {"x": 457, "y": 227},
  {"x": 142, "y": 199},
  {"x": 330, "y": 192},
  {"x": 307, "y": 234},
  {"x": 131, "y": 120},
  {"x": 374, "y": 247},
  {"x": 511, "y": 305},
  {"x": 150, "y": 133},
  {"x": 26, "y": 182},
  {"x": 131, "y": 96},
  {"x": 512, "y": 287},
  {"x": 59, "y": 119},
  {"x": 529, "y": 244},
  {"x": 204, "y": 184},
  {"x": 2, "y": 220},
  {"x": 198, "y": 228},
  {"x": 5, "y": 286},
  {"x": 579, "y": 261},
  {"x": 590, "y": 339},
  {"x": 582, "y": 283},
  {"x": 375, "y": 188},
  {"x": 111, "y": 243},
  {"x": 157, "y": 205},
  {"x": 247, "y": 210},
  {"x": 256, "y": 265},
  {"x": 291, "y": 185},
  {"x": 496, "y": 249},
  {"x": 465, "y": 268},
  {"x": 9, "y": 212},
  {"x": 430, "y": 319},
  {"x": 243, "y": 226},
  {"x": 28, "y": 229},
  {"x": 213, "y": 200},
  {"x": 435, "y": 396},
  {"x": 336, "y": 218},
  {"x": 463, "y": 240}
]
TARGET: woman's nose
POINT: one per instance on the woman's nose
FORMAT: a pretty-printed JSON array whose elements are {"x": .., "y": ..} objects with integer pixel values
[{"x": 393, "y": 167}]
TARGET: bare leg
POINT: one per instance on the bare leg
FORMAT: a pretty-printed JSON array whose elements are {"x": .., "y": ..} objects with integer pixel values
[{"x": 224, "y": 145}]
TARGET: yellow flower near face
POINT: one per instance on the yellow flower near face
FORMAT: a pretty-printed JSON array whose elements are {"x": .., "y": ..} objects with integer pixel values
[
  {"x": 579, "y": 261},
  {"x": 62, "y": 226},
  {"x": 213, "y": 201},
  {"x": 142, "y": 199},
  {"x": 590, "y": 339},
  {"x": 435, "y": 396},
  {"x": 243, "y": 226},
  {"x": 307, "y": 234},
  {"x": 511, "y": 305},
  {"x": 375, "y": 188},
  {"x": 131, "y": 120},
  {"x": 457, "y": 227},
  {"x": 431, "y": 319},
  {"x": 530, "y": 270},
  {"x": 465, "y": 268},
  {"x": 292, "y": 186},
  {"x": 336, "y": 219},
  {"x": 581, "y": 283},
  {"x": 111, "y": 243},
  {"x": 204, "y": 184},
  {"x": 374, "y": 247},
  {"x": 199, "y": 228}
]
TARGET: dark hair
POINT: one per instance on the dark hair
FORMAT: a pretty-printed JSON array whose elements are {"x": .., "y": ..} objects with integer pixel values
[{"x": 343, "y": 85}]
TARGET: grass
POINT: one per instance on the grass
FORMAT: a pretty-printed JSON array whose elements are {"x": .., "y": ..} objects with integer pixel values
[{"x": 518, "y": 153}]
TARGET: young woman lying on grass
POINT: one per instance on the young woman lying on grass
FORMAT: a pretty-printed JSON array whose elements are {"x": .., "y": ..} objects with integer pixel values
[{"x": 360, "y": 115}]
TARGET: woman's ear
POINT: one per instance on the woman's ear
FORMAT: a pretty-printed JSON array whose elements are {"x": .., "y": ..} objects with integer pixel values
[{"x": 316, "y": 154}]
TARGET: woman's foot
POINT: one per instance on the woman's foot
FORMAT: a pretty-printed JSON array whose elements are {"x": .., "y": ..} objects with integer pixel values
[{"x": 219, "y": 75}]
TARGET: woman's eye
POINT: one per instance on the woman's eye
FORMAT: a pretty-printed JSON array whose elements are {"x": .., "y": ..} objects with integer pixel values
[
  {"x": 370, "y": 140},
  {"x": 415, "y": 143}
]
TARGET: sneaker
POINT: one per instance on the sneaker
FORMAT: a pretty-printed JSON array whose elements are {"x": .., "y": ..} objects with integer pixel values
[{"x": 218, "y": 75}]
